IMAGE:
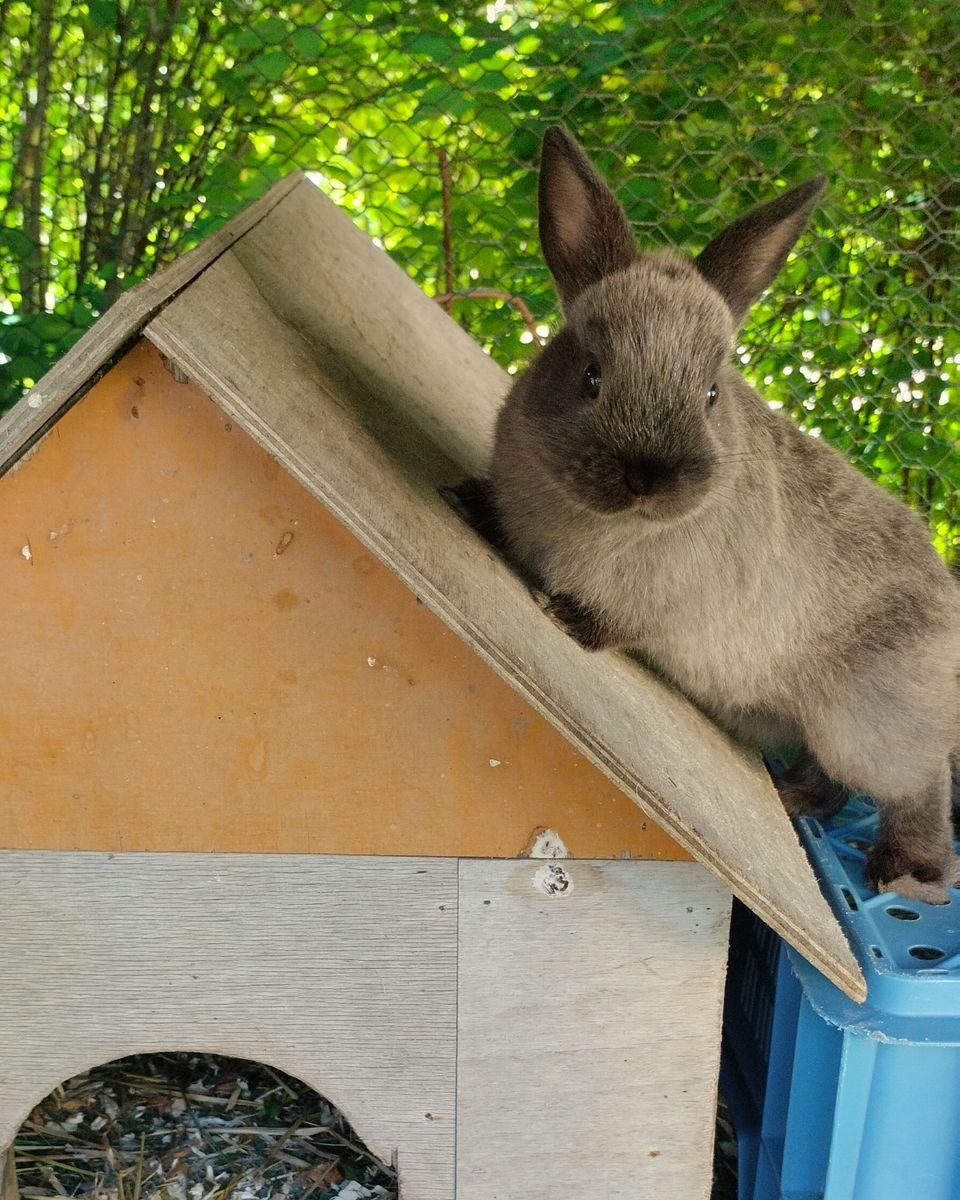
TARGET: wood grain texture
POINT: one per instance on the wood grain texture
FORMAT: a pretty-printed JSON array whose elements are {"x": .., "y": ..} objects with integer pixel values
[
  {"x": 365, "y": 391},
  {"x": 589, "y": 1030},
  {"x": 34, "y": 414},
  {"x": 340, "y": 971},
  {"x": 8, "y": 1176},
  {"x": 352, "y": 722}
]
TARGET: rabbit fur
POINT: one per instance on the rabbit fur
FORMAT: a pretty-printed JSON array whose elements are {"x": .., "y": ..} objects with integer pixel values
[{"x": 666, "y": 509}]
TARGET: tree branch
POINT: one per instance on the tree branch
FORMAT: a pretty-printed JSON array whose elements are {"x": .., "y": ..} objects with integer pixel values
[
  {"x": 480, "y": 293},
  {"x": 30, "y": 163}
]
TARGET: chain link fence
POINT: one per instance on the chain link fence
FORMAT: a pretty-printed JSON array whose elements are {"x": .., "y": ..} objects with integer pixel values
[{"x": 130, "y": 130}]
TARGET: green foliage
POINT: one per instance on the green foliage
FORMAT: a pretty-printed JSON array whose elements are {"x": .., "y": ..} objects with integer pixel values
[{"x": 129, "y": 130}]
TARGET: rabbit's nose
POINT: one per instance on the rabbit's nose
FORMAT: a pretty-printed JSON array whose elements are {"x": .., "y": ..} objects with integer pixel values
[{"x": 644, "y": 476}]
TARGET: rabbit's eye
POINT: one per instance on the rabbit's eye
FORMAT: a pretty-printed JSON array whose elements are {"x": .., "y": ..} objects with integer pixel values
[
  {"x": 712, "y": 394},
  {"x": 591, "y": 380}
]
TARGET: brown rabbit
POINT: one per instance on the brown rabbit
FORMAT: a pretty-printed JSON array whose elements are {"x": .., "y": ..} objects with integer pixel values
[{"x": 666, "y": 509}]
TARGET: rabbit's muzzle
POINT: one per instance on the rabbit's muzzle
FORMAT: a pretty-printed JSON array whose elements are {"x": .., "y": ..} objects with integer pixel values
[
  {"x": 656, "y": 487},
  {"x": 648, "y": 476}
]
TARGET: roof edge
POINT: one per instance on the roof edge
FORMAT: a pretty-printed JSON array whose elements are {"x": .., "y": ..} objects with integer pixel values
[
  {"x": 83, "y": 364},
  {"x": 322, "y": 349}
]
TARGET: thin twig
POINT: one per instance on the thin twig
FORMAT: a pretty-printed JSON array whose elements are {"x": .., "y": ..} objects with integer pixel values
[
  {"x": 161, "y": 1088},
  {"x": 322, "y": 1182},
  {"x": 444, "y": 164},
  {"x": 266, "y": 1130},
  {"x": 138, "y": 1182},
  {"x": 260, "y": 1168},
  {"x": 362, "y": 1151},
  {"x": 480, "y": 293},
  {"x": 281, "y": 1083},
  {"x": 52, "y": 1160}
]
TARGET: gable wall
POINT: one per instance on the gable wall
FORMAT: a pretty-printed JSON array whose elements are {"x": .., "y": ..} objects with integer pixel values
[{"x": 197, "y": 656}]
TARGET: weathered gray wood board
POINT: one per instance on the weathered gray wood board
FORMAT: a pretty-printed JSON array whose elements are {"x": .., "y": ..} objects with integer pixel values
[
  {"x": 552, "y": 1025},
  {"x": 340, "y": 971},
  {"x": 335, "y": 361},
  {"x": 589, "y": 1030},
  {"x": 8, "y": 1177},
  {"x": 41, "y": 406}
]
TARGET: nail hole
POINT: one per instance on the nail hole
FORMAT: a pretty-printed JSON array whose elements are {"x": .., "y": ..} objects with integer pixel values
[
  {"x": 903, "y": 914},
  {"x": 850, "y": 898},
  {"x": 877, "y": 952},
  {"x": 927, "y": 953}
]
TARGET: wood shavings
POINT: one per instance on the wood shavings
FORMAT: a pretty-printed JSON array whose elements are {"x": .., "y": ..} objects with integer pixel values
[{"x": 193, "y": 1127}]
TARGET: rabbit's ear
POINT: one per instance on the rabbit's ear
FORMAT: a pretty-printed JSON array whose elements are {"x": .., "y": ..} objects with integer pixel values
[
  {"x": 741, "y": 261},
  {"x": 583, "y": 230}
]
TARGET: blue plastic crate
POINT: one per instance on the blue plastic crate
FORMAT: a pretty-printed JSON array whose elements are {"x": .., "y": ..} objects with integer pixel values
[{"x": 834, "y": 1100}]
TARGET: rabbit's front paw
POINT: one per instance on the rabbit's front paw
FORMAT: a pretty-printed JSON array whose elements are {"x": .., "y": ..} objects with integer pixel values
[
  {"x": 572, "y": 617},
  {"x": 472, "y": 500}
]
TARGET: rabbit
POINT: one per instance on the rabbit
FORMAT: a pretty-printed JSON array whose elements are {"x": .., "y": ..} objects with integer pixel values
[{"x": 667, "y": 510}]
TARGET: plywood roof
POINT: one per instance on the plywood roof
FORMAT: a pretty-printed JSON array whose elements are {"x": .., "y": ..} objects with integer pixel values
[{"x": 334, "y": 361}]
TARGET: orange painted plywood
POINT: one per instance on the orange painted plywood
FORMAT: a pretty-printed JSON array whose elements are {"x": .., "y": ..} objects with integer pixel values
[{"x": 197, "y": 656}]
